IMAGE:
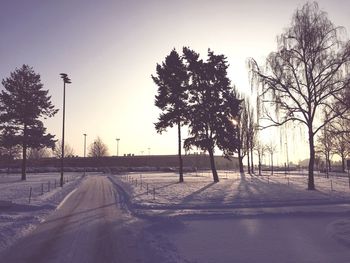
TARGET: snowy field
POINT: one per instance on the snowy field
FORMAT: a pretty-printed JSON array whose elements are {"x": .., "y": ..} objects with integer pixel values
[
  {"x": 156, "y": 191},
  {"x": 24, "y": 204}
]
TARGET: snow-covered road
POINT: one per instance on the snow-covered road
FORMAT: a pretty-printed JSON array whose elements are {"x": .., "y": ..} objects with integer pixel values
[
  {"x": 90, "y": 226},
  {"x": 264, "y": 239}
]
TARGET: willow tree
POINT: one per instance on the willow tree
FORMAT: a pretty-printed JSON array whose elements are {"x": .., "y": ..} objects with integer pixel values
[
  {"x": 244, "y": 132},
  {"x": 212, "y": 107},
  {"x": 251, "y": 135},
  {"x": 171, "y": 99},
  {"x": 307, "y": 75}
]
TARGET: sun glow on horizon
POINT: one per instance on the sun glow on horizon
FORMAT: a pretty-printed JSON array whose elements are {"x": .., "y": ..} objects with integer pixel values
[{"x": 110, "y": 50}]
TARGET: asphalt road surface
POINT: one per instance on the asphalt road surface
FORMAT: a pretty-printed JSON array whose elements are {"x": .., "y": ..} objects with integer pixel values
[
  {"x": 90, "y": 226},
  {"x": 281, "y": 239}
]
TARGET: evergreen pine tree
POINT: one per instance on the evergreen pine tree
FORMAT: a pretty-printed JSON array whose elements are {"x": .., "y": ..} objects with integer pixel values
[
  {"x": 23, "y": 103},
  {"x": 171, "y": 99}
]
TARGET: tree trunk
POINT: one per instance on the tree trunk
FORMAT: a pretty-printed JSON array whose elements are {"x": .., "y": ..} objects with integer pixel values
[
  {"x": 248, "y": 158},
  {"x": 329, "y": 162},
  {"x": 271, "y": 163},
  {"x": 251, "y": 157},
  {"x": 311, "y": 183},
  {"x": 240, "y": 158},
  {"x": 240, "y": 162},
  {"x": 343, "y": 162},
  {"x": 24, "y": 154},
  {"x": 327, "y": 170},
  {"x": 181, "y": 177},
  {"x": 212, "y": 165}
]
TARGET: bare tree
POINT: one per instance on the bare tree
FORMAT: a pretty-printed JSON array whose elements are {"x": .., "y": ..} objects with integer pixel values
[
  {"x": 98, "y": 148},
  {"x": 250, "y": 127},
  {"x": 36, "y": 154},
  {"x": 340, "y": 133},
  {"x": 242, "y": 133},
  {"x": 57, "y": 151},
  {"x": 307, "y": 75},
  {"x": 325, "y": 146},
  {"x": 318, "y": 161},
  {"x": 270, "y": 148},
  {"x": 260, "y": 149}
]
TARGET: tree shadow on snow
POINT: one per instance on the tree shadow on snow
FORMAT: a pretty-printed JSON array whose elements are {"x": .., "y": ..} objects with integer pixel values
[{"x": 192, "y": 196}]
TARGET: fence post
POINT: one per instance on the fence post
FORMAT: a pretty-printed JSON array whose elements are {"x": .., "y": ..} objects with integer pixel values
[
  {"x": 154, "y": 193},
  {"x": 331, "y": 185},
  {"x": 136, "y": 182},
  {"x": 30, "y": 194},
  {"x": 42, "y": 188},
  {"x": 49, "y": 186},
  {"x": 55, "y": 183},
  {"x": 268, "y": 179},
  {"x": 288, "y": 180},
  {"x": 147, "y": 188}
]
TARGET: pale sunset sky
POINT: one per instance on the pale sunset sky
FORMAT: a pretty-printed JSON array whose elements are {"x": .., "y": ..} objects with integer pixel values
[{"x": 110, "y": 48}]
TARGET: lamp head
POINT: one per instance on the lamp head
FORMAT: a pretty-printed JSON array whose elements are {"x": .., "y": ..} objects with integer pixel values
[{"x": 65, "y": 78}]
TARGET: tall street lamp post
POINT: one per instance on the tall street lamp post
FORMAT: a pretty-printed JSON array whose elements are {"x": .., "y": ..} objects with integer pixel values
[
  {"x": 84, "y": 152},
  {"x": 117, "y": 146},
  {"x": 65, "y": 78},
  {"x": 287, "y": 156}
]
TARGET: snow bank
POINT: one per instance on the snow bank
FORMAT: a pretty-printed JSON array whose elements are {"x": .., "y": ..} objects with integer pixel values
[{"x": 23, "y": 214}]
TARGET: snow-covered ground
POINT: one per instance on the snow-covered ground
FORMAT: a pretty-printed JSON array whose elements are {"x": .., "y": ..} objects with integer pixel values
[
  {"x": 18, "y": 214},
  {"x": 240, "y": 219},
  {"x": 233, "y": 191}
]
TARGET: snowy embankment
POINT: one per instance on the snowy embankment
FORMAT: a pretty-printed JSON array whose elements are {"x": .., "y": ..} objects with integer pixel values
[{"x": 26, "y": 203}]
